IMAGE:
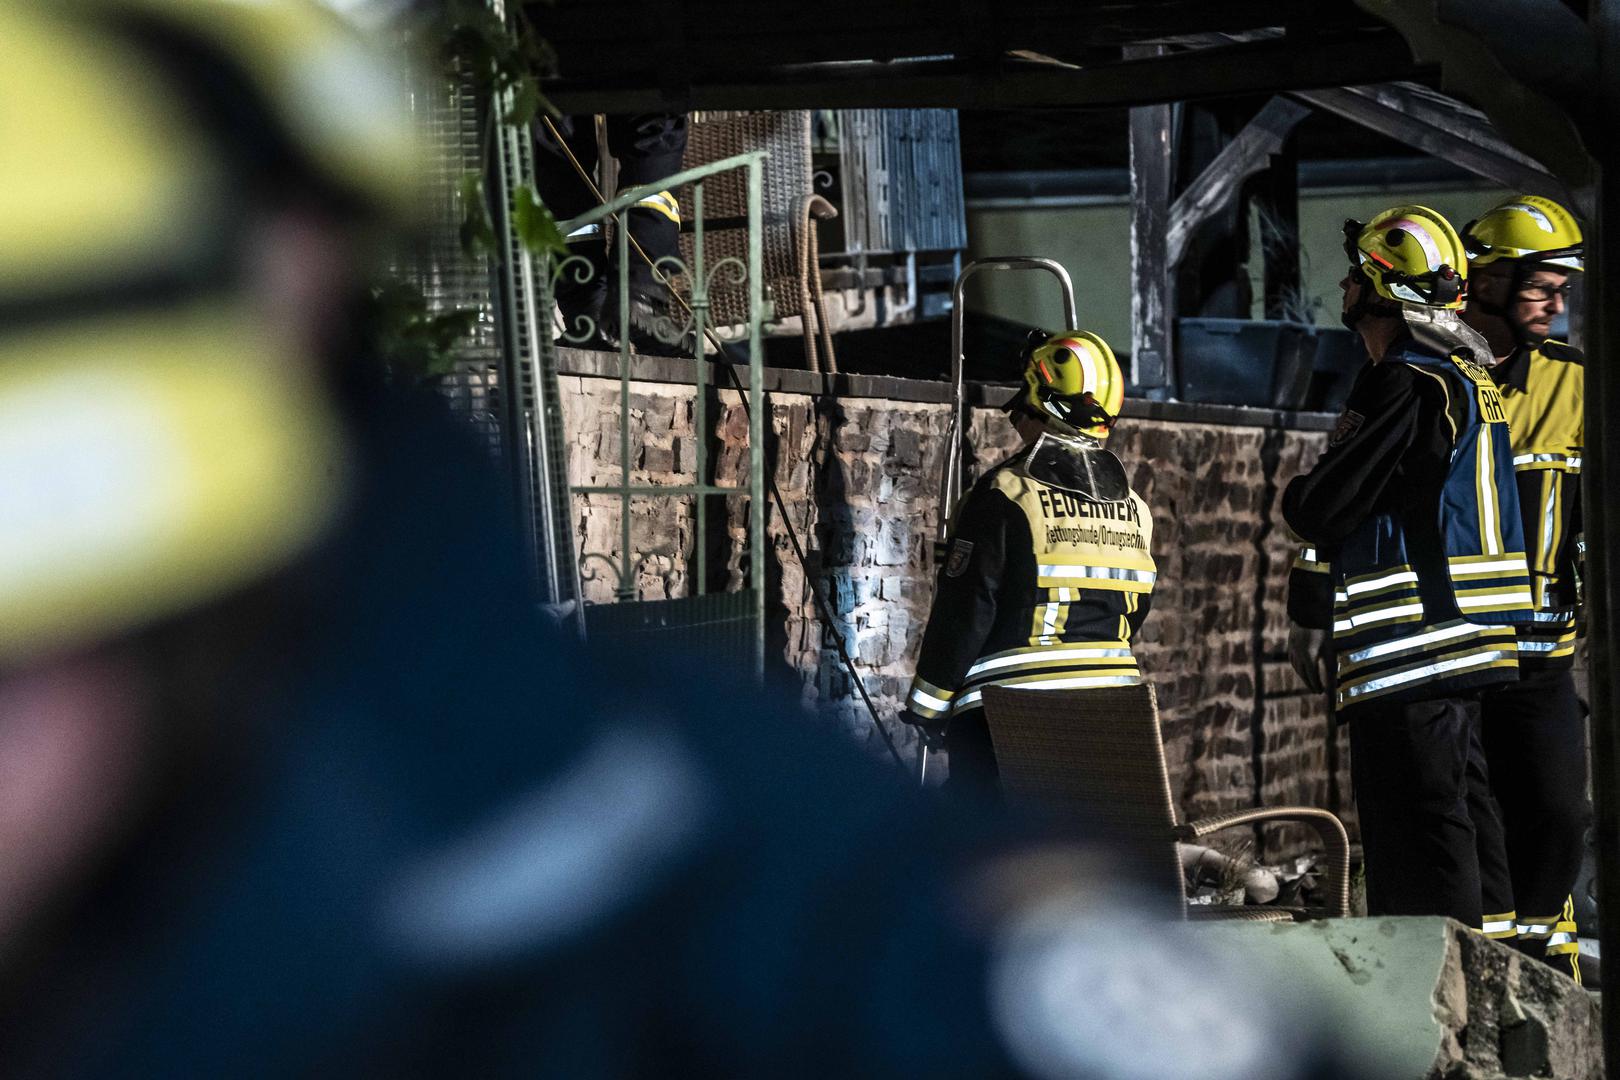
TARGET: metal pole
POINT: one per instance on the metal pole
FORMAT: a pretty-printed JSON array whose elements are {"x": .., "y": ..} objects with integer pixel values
[
  {"x": 756, "y": 414},
  {"x": 1599, "y": 522},
  {"x": 627, "y": 569},
  {"x": 700, "y": 405},
  {"x": 1602, "y": 462},
  {"x": 950, "y": 488}
]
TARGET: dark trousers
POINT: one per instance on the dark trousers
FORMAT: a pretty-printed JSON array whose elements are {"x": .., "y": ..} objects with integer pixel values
[
  {"x": 1414, "y": 767},
  {"x": 648, "y": 147},
  {"x": 1534, "y": 734}
]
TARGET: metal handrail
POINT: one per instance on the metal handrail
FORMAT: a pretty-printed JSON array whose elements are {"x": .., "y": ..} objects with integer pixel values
[
  {"x": 616, "y": 207},
  {"x": 630, "y": 196},
  {"x": 951, "y": 482}
]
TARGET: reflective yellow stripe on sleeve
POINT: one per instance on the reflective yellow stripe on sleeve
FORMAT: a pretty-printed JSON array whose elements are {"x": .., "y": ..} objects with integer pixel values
[{"x": 661, "y": 203}]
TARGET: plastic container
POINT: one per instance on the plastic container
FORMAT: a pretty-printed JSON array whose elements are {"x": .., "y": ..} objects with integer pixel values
[{"x": 1258, "y": 362}]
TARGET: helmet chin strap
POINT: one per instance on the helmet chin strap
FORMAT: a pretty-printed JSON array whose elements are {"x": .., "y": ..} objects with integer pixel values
[{"x": 1369, "y": 303}]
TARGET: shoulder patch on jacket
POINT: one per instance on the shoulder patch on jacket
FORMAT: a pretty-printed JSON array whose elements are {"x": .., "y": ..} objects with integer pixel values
[
  {"x": 1562, "y": 350},
  {"x": 957, "y": 564},
  {"x": 1349, "y": 423}
]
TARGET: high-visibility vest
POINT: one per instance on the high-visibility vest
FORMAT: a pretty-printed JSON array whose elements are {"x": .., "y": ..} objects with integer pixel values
[
  {"x": 1414, "y": 623},
  {"x": 1058, "y": 605}
]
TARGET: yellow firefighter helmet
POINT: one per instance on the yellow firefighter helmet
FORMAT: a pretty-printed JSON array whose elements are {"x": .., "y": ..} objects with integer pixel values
[
  {"x": 1410, "y": 255},
  {"x": 1071, "y": 379},
  {"x": 163, "y": 445},
  {"x": 1530, "y": 229}
]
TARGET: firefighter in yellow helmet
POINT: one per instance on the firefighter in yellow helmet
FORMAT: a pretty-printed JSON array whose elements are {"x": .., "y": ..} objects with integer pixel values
[
  {"x": 1415, "y": 566},
  {"x": 1524, "y": 255},
  {"x": 188, "y": 189},
  {"x": 1048, "y": 570}
]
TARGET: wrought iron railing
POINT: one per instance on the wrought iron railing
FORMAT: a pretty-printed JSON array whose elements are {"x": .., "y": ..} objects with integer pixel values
[{"x": 690, "y": 288}]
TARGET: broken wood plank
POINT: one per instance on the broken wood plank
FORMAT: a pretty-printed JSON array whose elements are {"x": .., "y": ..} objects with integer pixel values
[
  {"x": 1442, "y": 127},
  {"x": 1152, "y": 365}
]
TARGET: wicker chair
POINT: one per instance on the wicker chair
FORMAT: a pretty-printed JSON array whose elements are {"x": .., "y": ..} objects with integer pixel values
[
  {"x": 1098, "y": 755},
  {"x": 791, "y": 209}
]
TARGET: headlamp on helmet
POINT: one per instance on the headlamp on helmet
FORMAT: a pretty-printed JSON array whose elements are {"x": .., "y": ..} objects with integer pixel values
[{"x": 1409, "y": 255}]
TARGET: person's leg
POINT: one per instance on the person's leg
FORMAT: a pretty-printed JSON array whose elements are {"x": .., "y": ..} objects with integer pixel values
[
  {"x": 1490, "y": 845},
  {"x": 579, "y": 288},
  {"x": 1535, "y": 740},
  {"x": 648, "y": 148},
  {"x": 1409, "y": 768}
]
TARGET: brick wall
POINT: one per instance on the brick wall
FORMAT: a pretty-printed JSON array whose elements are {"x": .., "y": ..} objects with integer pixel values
[{"x": 859, "y": 477}]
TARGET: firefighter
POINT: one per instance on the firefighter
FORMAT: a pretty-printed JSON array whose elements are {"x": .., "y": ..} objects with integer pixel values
[
  {"x": 1048, "y": 571},
  {"x": 1523, "y": 255},
  {"x": 1413, "y": 508},
  {"x": 647, "y": 147}
]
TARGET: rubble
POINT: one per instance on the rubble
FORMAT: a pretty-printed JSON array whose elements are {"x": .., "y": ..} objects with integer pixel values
[{"x": 1427, "y": 998}]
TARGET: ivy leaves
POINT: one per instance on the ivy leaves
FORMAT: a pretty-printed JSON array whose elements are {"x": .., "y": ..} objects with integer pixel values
[
  {"x": 536, "y": 229},
  {"x": 477, "y": 230},
  {"x": 471, "y": 36},
  {"x": 412, "y": 342},
  {"x": 506, "y": 63}
]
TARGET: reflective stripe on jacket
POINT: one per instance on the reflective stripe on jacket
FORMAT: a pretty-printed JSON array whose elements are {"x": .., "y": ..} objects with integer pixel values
[
  {"x": 1413, "y": 507},
  {"x": 1543, "y": 391}
]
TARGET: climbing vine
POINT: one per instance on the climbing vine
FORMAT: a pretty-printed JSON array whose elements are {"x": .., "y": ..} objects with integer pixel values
[{"x": 504, "y": 60}]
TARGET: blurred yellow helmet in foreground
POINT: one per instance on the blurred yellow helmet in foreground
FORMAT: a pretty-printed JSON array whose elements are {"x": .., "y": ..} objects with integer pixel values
[{"x": 160, "y": 443}]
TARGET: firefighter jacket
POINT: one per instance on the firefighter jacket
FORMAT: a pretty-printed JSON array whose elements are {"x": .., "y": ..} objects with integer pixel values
[
  {"x": 1544, "y": 392},
  {"x": 1043, "y": 587},
  {"x": 1414, "y": 509}
]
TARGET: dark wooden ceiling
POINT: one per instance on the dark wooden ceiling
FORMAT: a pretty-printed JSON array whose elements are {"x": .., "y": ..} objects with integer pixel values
[{"x": 617, "y": 56}]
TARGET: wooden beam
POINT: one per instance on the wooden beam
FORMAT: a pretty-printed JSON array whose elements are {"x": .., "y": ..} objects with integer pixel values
[
  {"x": 1442, "y": 127},
  {"x": 1250, "y": 67},
  {"x": 1219, "y": 183},
  {"x": 1152, "y": 364},
  {"x": 1515, "y": 59}
]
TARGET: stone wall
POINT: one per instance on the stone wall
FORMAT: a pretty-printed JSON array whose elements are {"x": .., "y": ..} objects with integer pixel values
[{"x": 859, "y": 478}]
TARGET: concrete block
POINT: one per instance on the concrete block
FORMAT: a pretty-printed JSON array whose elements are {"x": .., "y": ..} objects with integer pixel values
[
  {"x": 1425, "y": 998},
  {"x": 899, "y": 632},
  {"x": 906, "y": 446}
]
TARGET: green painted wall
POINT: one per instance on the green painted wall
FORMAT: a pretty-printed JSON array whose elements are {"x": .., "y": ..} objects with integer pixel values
[{"x": 1093, "y": 242}]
